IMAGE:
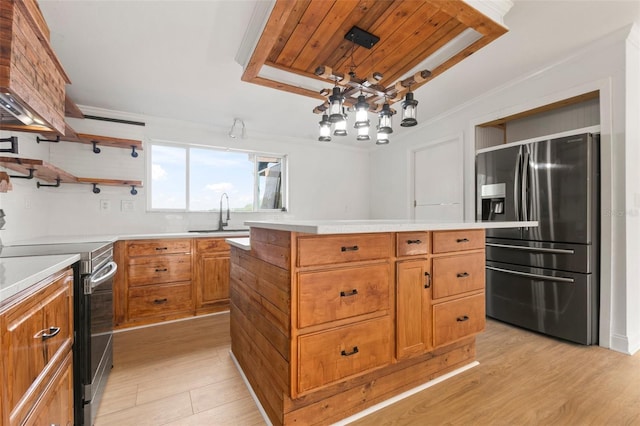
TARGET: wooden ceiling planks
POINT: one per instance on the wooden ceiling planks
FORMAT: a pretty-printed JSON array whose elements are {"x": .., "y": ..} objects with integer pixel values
[{"x": 301, "y": 35}]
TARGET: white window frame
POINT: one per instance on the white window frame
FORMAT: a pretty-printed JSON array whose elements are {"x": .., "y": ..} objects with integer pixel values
[{"x": 187, "y": 147}]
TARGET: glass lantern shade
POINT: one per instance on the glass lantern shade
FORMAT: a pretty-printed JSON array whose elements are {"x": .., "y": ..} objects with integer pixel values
[
  {"x": 362, "y": 116},
  {"x": 325, "y": 129},
  {"x": 382, "y": 138},
  {"x": 340, "y": 128},
  {"x": 409, "y": 111},
  {"x": 335, "y": 106},
  {"x": 363, "y": 134},
  {"x": 384, "y": 123}
]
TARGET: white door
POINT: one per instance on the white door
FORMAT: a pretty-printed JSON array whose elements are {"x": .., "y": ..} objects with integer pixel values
[{"x": 438, "y": 181}]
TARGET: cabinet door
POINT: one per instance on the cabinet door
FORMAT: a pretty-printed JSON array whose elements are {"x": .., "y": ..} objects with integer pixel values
[
  {"x": 413, "y": 325},
  {"x": 58, "y": 314},
  {"x": 213, "y": 279},
  {"x": 56, "y": 405}
]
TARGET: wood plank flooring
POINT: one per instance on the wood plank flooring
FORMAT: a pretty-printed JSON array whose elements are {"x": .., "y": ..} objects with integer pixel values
[{"x": 181, "y": 374}]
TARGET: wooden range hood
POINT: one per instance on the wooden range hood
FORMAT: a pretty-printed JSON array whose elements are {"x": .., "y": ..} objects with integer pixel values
[{"x": 300, "y": 36}]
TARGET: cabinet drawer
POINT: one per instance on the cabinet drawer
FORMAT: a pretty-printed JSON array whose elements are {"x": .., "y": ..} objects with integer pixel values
[
  {"x": 457, "y": 319},
  {"x": 158, "y": 269},
  {"x": 333, "y": 355},
  {"x": 343, "y": 293},
  {"x": 158, "y": 300},
  {"x": 343, "y": 248},
  {"x": 457, "y": 274},
  {"x": 154, "y": 247},
  {"x": 466, "y": 239},
  {"x": 412, "y": 243},
  {"x": 205, "y": 245}
]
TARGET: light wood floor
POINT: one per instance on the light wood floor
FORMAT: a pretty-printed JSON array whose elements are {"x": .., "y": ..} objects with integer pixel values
[{"x": 181, "y": 374}]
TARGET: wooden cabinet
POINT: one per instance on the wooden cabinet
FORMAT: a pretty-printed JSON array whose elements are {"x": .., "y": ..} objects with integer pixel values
[
  {"x": 163, "y": 279},
  {"x": 36, "y": 340},
  {"x": 413, "y": 308},
  {"x": 326, "y": 250},
  {"x": 458, "y": 318},
  {"x": 211, "y": 274}
]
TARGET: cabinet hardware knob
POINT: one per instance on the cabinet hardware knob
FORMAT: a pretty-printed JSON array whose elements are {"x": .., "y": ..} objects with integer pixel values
[
  {"x": 462, "y": 275},
  {"x": 462, "y": 240},
  {"x": 414, "y": 241},
  {"x": 160, "y": 301},
  {"x": 462, "y": 318},
  {"x": 161, "y": 269},
  {"x": 350, "y": 248},
  {"x": 351, "y": 293},
  {"x": 428, "y": 283},
  {"x": 161, "y": 248},
  {"x": 353, "y": 352},
  {"x": 47, "y": 333}
]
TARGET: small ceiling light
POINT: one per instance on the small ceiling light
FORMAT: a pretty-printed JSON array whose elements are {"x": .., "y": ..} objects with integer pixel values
[
  {"x": 325, "y": 129},
  {"x": 340, "y": 127},
  {"x": 362, "y": 114},
  {"x": 238, "y": 129},
  {"x": 335, "y": 107},
  {"x": 409, "y": 110},
  {"x": 363, "y": 134},
  {"x": 384, "y": 123}
]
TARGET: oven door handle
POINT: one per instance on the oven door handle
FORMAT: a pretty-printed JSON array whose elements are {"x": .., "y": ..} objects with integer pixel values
[{"x": 105, "y": 273}]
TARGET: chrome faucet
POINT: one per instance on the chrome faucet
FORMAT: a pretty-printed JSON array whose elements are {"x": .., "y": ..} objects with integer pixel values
[{"x": 221, "y": 223}]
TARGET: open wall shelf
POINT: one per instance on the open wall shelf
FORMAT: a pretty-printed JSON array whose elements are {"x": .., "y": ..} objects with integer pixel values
[{"x": 31, "y": 168}]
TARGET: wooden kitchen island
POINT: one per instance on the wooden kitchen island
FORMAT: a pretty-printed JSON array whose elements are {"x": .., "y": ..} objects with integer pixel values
[{"x": 330, "y": 318}]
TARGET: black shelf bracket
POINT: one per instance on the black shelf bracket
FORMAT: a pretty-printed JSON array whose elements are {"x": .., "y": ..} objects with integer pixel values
[
  {"x": 133, "y": 191},
  {"x": 48, "y": 185},
  {"x": 13, "y": 140},
  {"x": 95, "y": 190},
  {"x": 29, "y": 176},
  {"x": 56, "y": 140},
  {"x": 134, "y": 154},
  {"x": 95, "y": 147}
]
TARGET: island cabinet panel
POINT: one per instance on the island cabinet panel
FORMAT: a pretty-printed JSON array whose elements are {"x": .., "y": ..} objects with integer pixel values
[
  {"x": 458, "y": 318},
  {"x": 448, "y": 241},
  {"x": 36, "y": 339},
  {"x": 343, "y": 248},
  {"x": 324, "y": 326},
  {"x": 458, "y": 274},
  {"x": 325, "y": 296},
  {"x": 329, "y": 356},
  {"x": 413, "y": 312}
]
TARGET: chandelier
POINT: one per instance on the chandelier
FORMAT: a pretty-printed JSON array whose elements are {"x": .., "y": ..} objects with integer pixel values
[{"x": 371, "y": 97}]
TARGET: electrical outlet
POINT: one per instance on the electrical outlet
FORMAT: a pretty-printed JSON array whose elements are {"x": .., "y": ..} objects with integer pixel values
[
  {"x": 27, "y": 203},
  {"x": 126, "y": 205},
  {"x": 105, "y": 205}
]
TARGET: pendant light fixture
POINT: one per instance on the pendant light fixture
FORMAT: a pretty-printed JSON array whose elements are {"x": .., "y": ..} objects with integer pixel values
[
  {"x": 325, "y": 129},
  {"x": 340, "y": 127},
  {"x": 384, "y": 125},
  {"x": 336, "y": 110},
  {"x": 362, "y": 118},
  {"x": 409, "y": 110}
]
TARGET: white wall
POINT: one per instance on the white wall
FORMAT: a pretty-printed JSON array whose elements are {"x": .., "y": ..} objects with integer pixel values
[
  {"x": 326, "y": 181},
  {"x": 600, "y": 66}
]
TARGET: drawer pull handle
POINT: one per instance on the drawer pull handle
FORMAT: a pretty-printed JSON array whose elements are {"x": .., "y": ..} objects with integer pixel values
[
  {"x": 351, "y": 293},
  {"x": 161, "y": 248},
  {"x": 161, "y": 270},
  {"x": 47, "y": 334},
  {"x": 462, "y": 318},
  {"x": 353, "y": 352},
  {"x": 428, "y": 283},
  {"x": 350, "y": 248},
  {"x": 463, "y": 275},
  {"x": 414, "y": 241},
  {"x": 462, "y": 240},
  {"x": 160, "y": 301}
]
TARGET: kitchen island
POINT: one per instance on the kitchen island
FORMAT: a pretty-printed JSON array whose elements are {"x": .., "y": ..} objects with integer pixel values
[{"x": 329, "y": 318}]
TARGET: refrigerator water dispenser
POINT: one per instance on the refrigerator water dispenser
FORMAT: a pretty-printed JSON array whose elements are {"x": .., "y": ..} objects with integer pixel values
[{"x": 492, "y": 200}]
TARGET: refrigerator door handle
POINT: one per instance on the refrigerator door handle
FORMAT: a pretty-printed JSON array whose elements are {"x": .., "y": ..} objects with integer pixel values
[
  {"x": 525, "y": 186},
  {"x": 528, "y": 275},
  {"x": 536, "y": 249},
  {"x": 517, "y": 184}
]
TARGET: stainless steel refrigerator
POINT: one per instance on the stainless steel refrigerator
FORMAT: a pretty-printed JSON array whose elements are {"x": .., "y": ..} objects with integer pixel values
[{"x": 543, "y": 278}]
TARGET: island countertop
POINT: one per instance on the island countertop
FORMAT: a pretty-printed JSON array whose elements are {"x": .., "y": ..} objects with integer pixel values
[{"x": 368, "y": 226}]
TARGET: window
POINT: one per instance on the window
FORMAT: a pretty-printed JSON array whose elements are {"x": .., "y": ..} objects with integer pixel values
[{"x": 194, "y": 178}]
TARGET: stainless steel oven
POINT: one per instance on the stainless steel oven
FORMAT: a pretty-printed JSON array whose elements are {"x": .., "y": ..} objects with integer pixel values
[{"x": 93, "y": 318}]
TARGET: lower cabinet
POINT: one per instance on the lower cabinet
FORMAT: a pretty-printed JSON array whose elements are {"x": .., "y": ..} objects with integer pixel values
[
  {"x": 164, "y": 279},
  {"x": 35, "y": 356},
  {"x": 413, "y": 308}
]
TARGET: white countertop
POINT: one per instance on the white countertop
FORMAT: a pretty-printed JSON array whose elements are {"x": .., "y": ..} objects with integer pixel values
[
  {"x": 19, "y": 273},
  {"x": 63, "y": 239},
  {"x": 364, "y": 226},
  {"x": 241, "y": 243}
]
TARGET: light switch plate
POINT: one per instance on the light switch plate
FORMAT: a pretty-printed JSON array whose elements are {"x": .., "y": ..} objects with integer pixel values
[
  {"x": 105, "y": 205},
  {"x": 126, "y": 205}
]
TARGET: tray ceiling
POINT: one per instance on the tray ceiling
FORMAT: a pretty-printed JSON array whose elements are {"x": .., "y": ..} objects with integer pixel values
[{"x": 300, "y": 36}]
